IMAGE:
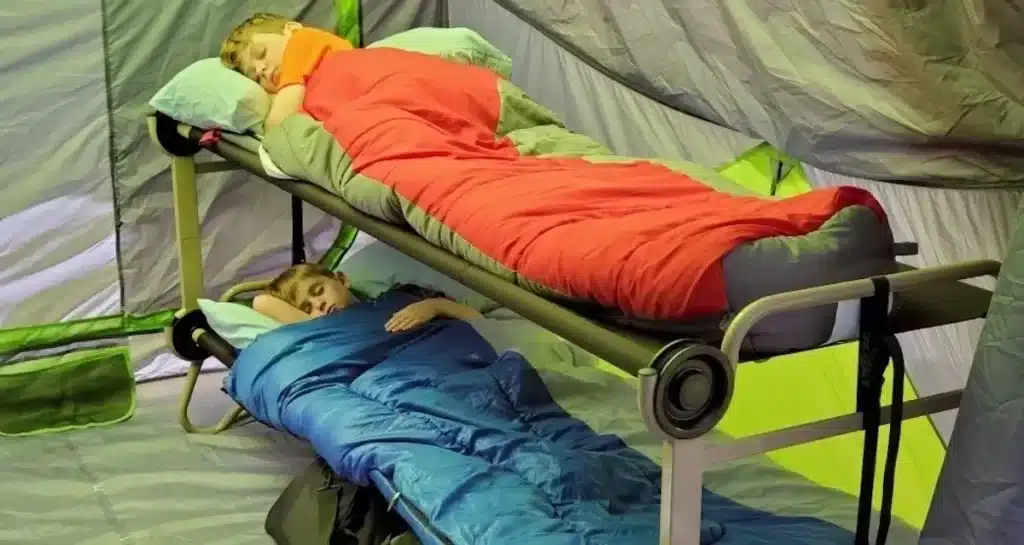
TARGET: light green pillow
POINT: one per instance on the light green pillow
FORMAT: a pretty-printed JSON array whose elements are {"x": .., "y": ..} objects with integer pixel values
[
  {"x": 456, "y": 44},
  {"x": 208, "y": 95},
  {"x": 238, "y": 324}
]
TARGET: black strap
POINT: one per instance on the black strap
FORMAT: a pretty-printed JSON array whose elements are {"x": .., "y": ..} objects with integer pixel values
[
  {"x": 877, "y": 346},
  {"x": 895, "y": 429},
  {"x": 298, "y": 240}
]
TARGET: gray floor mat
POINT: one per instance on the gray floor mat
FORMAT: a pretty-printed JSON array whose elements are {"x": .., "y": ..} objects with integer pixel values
[{"x": 145, "y": 482}]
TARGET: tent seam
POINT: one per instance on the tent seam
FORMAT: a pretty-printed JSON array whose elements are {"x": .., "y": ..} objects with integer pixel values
[{"x": 112, "y": 154}]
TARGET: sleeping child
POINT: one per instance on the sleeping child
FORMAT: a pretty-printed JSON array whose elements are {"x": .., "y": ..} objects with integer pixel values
[
  {"x": 307, "y": 291},
  {"x": 279, "y": 54}
]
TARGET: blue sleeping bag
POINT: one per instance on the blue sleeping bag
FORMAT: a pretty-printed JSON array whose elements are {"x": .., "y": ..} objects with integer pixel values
[{"x": 469, "y": 437}]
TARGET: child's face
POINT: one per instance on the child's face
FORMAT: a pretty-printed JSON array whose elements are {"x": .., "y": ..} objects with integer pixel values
[
  {"x": 261, "y": 60},
  {"x": 321, "y": 295}
]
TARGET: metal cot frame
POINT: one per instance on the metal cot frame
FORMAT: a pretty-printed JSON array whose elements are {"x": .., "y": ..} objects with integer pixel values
[{"x": 669, "y": 370}]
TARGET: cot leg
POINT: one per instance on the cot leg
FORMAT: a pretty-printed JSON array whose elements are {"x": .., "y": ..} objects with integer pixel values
[
  {"x": 190, "y": 274},
  {"x": 187, "y": 229},
  {"x": 682, "y": 470},
  {"x": 225, "y": 422}
]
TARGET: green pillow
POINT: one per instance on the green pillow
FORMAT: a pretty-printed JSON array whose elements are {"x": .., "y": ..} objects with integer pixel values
[
  {"x": 238, "y": 324},
  {"x": 456, "y": 44},
  {"x": 209, "y": 95}
]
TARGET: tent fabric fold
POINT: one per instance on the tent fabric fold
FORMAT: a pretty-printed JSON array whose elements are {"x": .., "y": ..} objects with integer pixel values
[{"x": 923, "y": 93}]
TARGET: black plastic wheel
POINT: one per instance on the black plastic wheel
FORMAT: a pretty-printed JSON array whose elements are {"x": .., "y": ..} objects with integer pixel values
[
  {"x": 695, "y": 385},
  {"x": 179, "y": 336},
  {"x": 173, "y": 143}
]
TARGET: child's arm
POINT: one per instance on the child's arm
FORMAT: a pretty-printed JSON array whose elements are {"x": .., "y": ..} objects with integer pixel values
[
  {"x": 272, "y": 307},
  {"x": 286, "y": 102},
  {"x": 305, "y": 49},
  {"x": 446, "y": 308},
  {"x": 426, "y": 310}
]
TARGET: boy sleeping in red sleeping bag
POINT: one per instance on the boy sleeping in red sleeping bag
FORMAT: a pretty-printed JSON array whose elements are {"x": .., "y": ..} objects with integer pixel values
[{"x": 433, "y": 139}]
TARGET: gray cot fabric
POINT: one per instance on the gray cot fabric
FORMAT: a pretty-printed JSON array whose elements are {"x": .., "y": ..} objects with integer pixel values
[
  {"x": 978, "y": 498},
  {"x": 851, "y": 87}
]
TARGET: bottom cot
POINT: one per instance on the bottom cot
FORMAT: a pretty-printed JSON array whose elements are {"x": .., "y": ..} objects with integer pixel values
[
  {"x": 601, "y": 478},
  {"x": 144, "y": 482}
]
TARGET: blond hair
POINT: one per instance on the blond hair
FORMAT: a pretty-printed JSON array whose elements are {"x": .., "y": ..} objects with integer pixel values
[
  {"x": 285, "y": 287},
  {"x": 241, "y": 36}
]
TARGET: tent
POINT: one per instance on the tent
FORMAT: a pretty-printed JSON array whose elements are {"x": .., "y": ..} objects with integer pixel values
[{"x": 918, "y": 102}]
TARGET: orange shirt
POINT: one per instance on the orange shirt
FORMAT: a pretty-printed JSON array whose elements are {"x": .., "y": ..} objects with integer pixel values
[{"x": 305, "y": 48}]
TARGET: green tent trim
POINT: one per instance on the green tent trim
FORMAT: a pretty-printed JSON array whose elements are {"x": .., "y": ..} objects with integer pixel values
[
  {"x": 23, "y": 339},
  {"x": 341, "y": 245},
  {"x": 349, "y": 25}
]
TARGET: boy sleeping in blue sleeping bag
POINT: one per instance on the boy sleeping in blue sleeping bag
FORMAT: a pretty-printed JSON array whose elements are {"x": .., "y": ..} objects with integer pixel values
[{"x": 394, "y": 388}]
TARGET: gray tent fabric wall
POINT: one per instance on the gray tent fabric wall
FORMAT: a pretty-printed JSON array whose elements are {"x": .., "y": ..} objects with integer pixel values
[
  {"x": 87, "y": 217},
  {"x": 88, "y": 223},
  {"x": 382, "y": 18},
  {"x": 58, "y": 259},
  {"x": 977, "y": 499},
  {"x": 865, "y": 89}
]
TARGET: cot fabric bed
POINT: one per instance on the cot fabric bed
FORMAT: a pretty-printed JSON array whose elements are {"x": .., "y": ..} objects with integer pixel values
[{"x": 685, "y": 383}]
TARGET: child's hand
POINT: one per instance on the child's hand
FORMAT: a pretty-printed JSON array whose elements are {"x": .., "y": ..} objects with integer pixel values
[{"x": 413, "y": 316}]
